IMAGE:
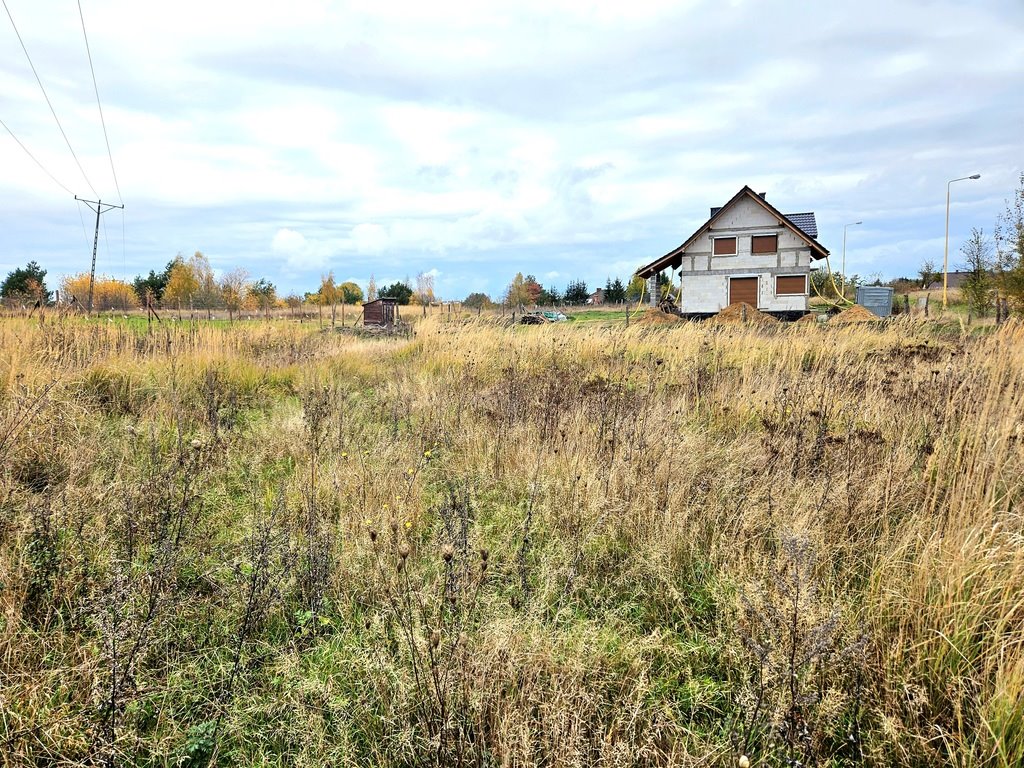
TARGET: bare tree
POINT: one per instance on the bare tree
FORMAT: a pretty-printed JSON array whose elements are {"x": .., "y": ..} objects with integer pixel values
[
  {"x": 233, "y": 287},
  {"x": 978, "y": 284},
  {"x": 424, "y": 289}
]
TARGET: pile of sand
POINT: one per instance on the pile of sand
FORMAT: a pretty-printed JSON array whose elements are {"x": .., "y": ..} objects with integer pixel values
[
  {"x": 810, "y": 317},
  {"x": 855, "y": 314},
  {"x": 743, "y": 313},
  {"x": 655, "y": 317}
]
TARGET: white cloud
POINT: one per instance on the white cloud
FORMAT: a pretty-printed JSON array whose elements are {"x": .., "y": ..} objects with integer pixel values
[
  {"x": 288, "y": 241},
  {"x": 567, "y": 139}
]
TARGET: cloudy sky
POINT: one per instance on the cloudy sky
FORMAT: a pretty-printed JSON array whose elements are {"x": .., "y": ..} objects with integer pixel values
[{"x": 477, "y": 139}]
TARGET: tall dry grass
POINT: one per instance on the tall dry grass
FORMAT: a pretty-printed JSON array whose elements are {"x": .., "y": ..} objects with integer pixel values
[{"x": 491, "y": 545}]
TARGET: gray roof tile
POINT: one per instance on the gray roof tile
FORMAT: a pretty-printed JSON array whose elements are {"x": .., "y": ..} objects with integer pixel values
[{"x": 805, "y": 222}]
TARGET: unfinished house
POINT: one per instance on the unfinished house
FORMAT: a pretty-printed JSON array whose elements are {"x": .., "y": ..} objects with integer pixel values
[{"x": 747, "y": 251}]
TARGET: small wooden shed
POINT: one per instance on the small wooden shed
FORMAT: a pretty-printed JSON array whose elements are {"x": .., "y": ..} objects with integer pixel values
[{"x": 382, "y": 313}]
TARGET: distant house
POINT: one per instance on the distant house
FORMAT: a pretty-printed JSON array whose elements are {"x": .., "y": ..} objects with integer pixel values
[
  {"x": 955, "y": 280},
  {"x": 747, "y": 251},
  {"x": 597, "y": 297}
]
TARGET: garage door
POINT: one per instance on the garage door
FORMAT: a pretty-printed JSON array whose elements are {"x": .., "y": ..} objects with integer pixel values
[{"x": 743, "y": 289}]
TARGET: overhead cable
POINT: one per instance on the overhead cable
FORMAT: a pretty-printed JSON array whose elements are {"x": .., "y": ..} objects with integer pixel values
[
  {"x": 34, "y": 159},
  {"x": 96, "y": 88},
  {"x": 48, "y": 103}
]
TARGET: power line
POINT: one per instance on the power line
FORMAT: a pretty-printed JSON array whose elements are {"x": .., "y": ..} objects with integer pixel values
[
  {"x": 45, "y": 96},
  {"x": 34, "y": 160},
  {"x": 98, "y": 103},
  {"x": 80, "y": 216}
]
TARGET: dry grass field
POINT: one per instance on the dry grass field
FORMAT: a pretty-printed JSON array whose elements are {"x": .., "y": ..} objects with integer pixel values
[{"x": 565, "y": 545}]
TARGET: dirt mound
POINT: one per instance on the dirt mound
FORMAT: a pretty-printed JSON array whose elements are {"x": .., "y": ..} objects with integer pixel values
[
  {"x": 743, "y": 313},
  {"x": 656, "y": 317},
  {"x": 855, "y": 314},
  {"x": 810, "y": 317}
]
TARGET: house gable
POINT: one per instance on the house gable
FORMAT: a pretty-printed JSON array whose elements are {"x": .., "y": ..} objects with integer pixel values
[
  {"x": 743, "y": 213},
  {"x": 746, "y": 214}
]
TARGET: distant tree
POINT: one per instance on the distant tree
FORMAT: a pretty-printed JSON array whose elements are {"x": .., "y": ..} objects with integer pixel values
[
  {"x": 927, "y": 273},
  {"x": 903, "y": 285},
  {"x": 396, "y": 290},
  {"x": 350, "y": 292},
  {"x": 371, "y": 288},
  {"x": 576, "y": 292},
  {"x": 108, "y": 293},
  {"x": 533, "y": 290},
  {"x": 265, "y": 294},
  {"x": 516, "y": 294},
  {"x": 828, "y": 285},
  {"x": 207, "y": 292},
  {"x": 424, "y": 289},
  {"x": 978, "y": 283},
  {"x": 636, "y": 288},
  {"x": 550, "y": 295},
  {"x": 153, "y": 285},
  {"x": 1009, "y": 250},
  {"x": 477, "y": 301},
  {"x": 293, "y": 301},
  {"x": 665, "y": 285},
  {"x": 181, "y": 284},
  {"x": 233, "y": 290},
  {"x": 25, "y": 285},
  {"x": 329, "y": 295},
  {"x": 614, "y": 291}
]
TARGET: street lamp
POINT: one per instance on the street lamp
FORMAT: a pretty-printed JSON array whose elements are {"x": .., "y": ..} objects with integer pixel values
[
  {"x": 852, "y": 224},
  {"x": 945, "y": 253}
]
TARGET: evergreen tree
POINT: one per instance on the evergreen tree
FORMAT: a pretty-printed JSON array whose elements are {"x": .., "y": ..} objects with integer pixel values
[
  {"x": 576, "y": 292},
  {"x": 396, "y": 290},
  {"x": 26, "y": 284},
  {"x": 155, "y": 283},
  {"x": 550, "y": 295},
  {"x": 614, "y": 291}
]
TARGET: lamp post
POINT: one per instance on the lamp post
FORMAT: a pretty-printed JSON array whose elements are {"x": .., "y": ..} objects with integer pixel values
[
  {"x": 851, "y": 224},
  {"x": 945, "y": 252}
]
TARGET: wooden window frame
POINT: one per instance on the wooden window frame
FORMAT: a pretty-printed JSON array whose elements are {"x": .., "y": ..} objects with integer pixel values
[
  {"x": 805, "y": 291},
  {"x": 764, "y": 253},
  {"x": 735, "y": 245}
]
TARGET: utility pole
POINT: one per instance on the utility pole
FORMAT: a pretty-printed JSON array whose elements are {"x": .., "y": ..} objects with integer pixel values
[{"x": 101, "y": 207}]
